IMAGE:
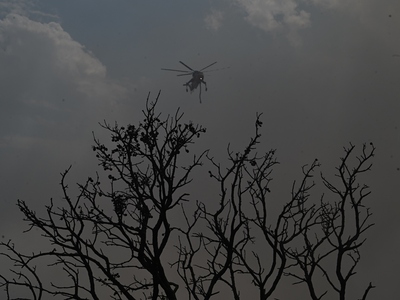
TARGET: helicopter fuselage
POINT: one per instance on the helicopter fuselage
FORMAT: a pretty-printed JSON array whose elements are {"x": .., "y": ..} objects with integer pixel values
[{"x": 197, "y": 78}]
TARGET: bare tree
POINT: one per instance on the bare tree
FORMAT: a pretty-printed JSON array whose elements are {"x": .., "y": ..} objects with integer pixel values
[
  {"x": 95, "y": 247},
  {"x": 329, "y": 228},
  {"x": 241, "y": 220},
  {"x": 117, "y": 240},
  {"x": 343, "y": 221}
]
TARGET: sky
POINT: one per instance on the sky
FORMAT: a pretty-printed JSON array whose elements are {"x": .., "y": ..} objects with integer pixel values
[{"x": 324, "y": 73}]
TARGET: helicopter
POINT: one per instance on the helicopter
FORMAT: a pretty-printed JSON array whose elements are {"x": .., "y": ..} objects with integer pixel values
[{"x": 197, "y": 77}]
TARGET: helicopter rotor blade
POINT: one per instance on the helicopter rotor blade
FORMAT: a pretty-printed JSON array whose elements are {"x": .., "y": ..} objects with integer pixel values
[
  {"x": 183, "y": 71},
  {"x": 186, "y": 66},
  {"x": 208, "y": 66},
  {"x": 191, "y": 73},
  {"x": 213, "y": 70}
]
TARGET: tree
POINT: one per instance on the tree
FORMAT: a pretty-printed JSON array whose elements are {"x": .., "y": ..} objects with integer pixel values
[{"x": 117, "y": 240}]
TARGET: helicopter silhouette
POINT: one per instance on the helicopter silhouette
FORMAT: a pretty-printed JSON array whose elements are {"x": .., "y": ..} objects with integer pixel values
[{"x": 197, "y": 77}]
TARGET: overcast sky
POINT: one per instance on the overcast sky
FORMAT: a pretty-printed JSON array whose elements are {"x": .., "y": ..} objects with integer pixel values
[{"x": 323, "y": 73}]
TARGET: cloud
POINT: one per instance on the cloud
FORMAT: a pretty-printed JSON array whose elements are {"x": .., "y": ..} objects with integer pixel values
[
  {"x": 25, "y": 8},
  {"x": 20, "y": 7},
  {"x": 214, "y": 20},
  {"x": 49, "y": 83},
  {"x": 329, "y": 3},
  {"x": 291, "y": 16},
  {"x": 272, "y": 15}
]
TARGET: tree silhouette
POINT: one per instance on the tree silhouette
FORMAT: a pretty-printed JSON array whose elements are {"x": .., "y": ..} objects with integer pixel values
[{"x": 139, "y": 237}]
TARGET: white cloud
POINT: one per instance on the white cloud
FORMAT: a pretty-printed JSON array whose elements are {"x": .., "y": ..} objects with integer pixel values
[
  {"x": 50, "y": 85},
  {"x": 214, "y": 20},
  {"x": 28, "y": 39},
  {"x": 20, "y": 7},
  {"x": 271, "y": 15},
  {"x": 328, "y": 3},
  {"x": 290, "y": 16}
]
